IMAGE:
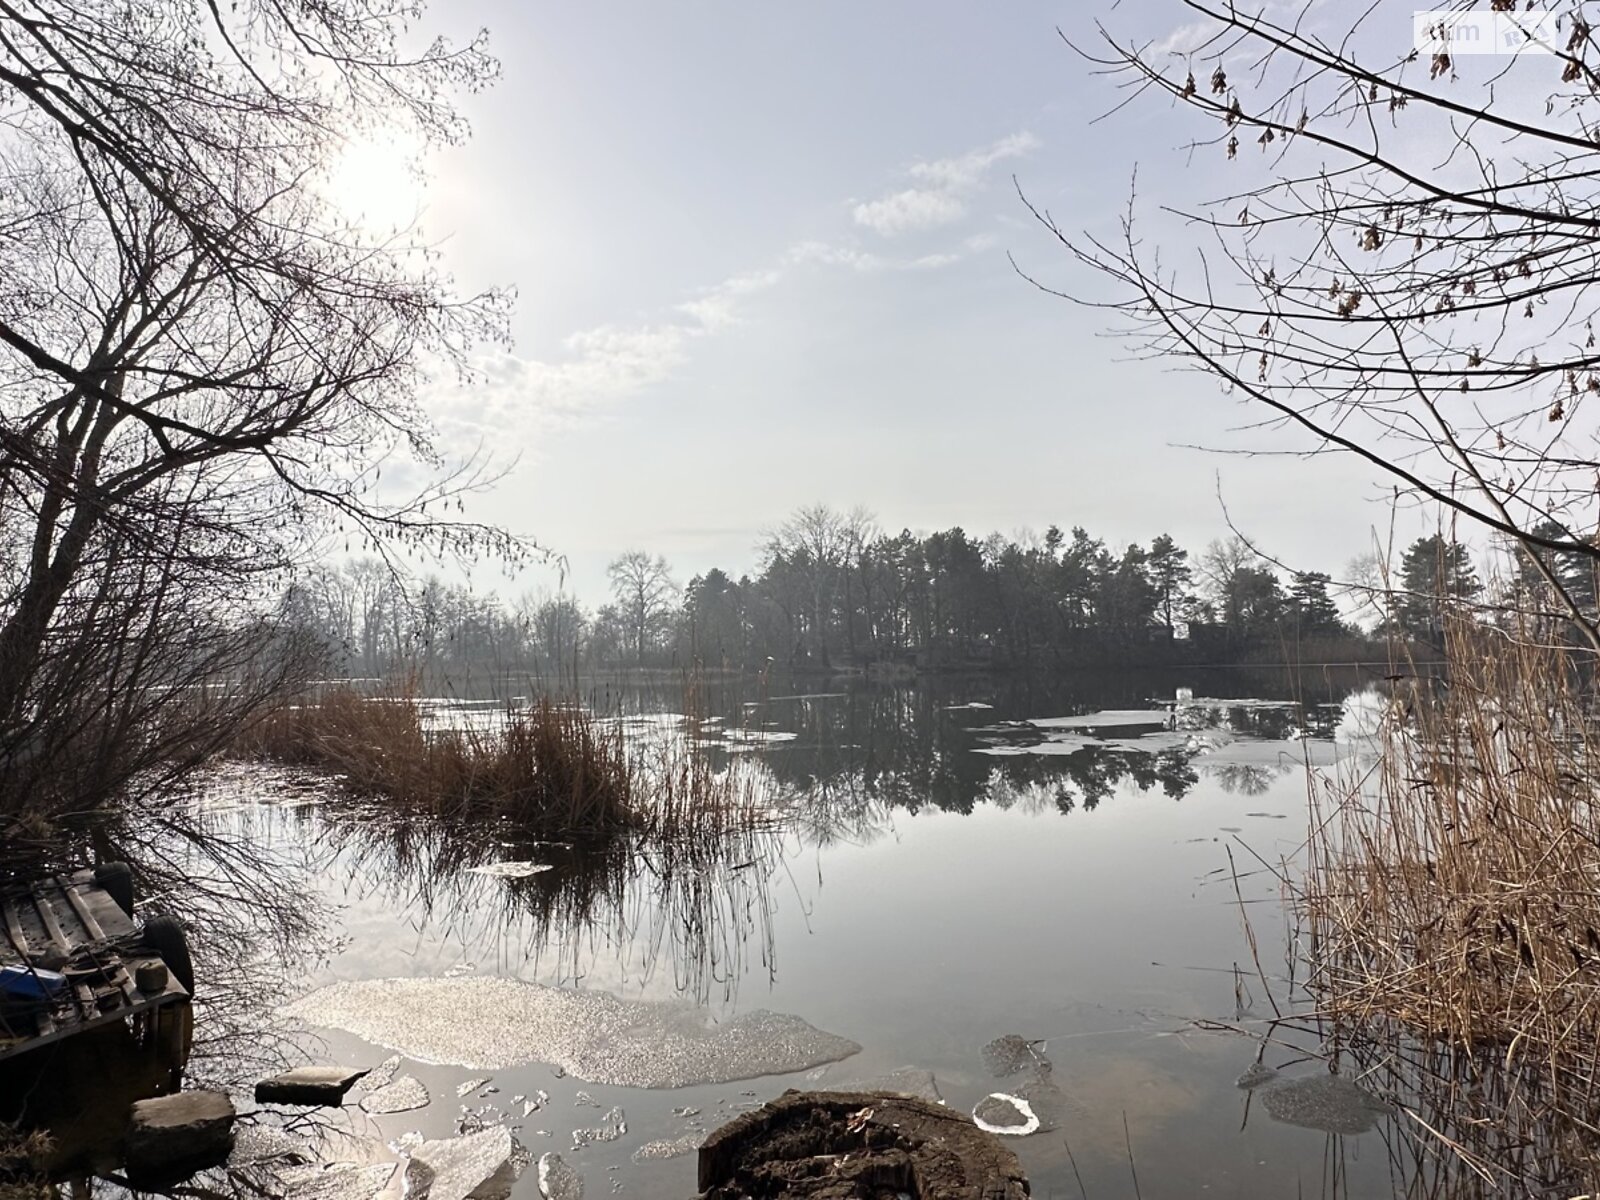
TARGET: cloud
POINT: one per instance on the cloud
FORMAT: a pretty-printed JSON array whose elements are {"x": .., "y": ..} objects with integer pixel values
[
  {"x": 716, "y": 308},
  {"x": 824, "y": 254},
  {"x": 514, "y": 397},
  {"x": 910, "y": 211},
  {"x": 944, "y": 186},
  {"x": 968, "y": 170},
  {"x": 1185, "y": 39}
]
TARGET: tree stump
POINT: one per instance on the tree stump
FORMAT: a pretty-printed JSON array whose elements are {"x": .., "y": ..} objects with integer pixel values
[{"x": 857, "y": 1146}]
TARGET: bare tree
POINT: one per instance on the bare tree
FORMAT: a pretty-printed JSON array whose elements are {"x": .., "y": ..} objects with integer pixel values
[
  {"x": 824, "y": 547},
  {"x": 645, "y": 596},
  {"x": 1405, "y": 270},
  {"x": 202, "y": 361}
]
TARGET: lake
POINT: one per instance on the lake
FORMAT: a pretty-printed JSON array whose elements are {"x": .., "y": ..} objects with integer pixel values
[{"x": 1031, "y": 889}]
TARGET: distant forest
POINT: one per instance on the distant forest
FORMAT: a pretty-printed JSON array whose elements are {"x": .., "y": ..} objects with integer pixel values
[{"x": 834, "y": 593}]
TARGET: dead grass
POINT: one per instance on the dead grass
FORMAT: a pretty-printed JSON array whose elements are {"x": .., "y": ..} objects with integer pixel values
[
  {"x": 550, "y": 768},
  {"x": 1452, "y": 894},
  {"x": 19, "y": 1153}
]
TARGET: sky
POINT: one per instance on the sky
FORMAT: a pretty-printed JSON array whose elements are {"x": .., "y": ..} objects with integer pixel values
[{"x": 763, "y": 257}]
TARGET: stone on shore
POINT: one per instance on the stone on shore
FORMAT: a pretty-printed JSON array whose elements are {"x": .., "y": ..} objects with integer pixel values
[
  {"x": 176, "y": 1133},
  {"x": 319, "y": 1086}
]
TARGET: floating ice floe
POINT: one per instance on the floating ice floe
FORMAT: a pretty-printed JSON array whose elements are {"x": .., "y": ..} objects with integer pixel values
[
  {"x": 1106, "y": 719},
  {"x": 403, "y": 1095},
  {"x": 510, "y": 870},
  {"x": 1326, "y": 1102},
  {"x": 490, "y": 1024},
  {"x": 480, "y": 1165},
  {"x": 558, "y": 1180},
  {"x": 743, "y": 740},
  {"x": 664, "y": 1148}
]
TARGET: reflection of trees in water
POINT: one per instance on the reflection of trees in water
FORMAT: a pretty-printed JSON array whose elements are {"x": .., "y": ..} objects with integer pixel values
[
  {"x": 875, "y": 750},
  {"x": 1244, "y": 779},
  {"x": 698, "y": 908},
  {"x": 863, "y": 750},
  {"x": 242, "y": 883},
  {"x": 1084, "y": 780}
]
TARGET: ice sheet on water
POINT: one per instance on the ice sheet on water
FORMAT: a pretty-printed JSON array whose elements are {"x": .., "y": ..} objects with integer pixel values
[
  {"x": 558, "y": 1180},
  {"x": 1255, "y": 1075},
  {"x": 761, "y": 737},
  {"x": 610, "y": 1127},
  {"x": 381, "y": 1074},
  {"x": 510, "y": 870},
  {"x": 1326, "y": 1102},
  {"x": 907, "y": 1081},
  {"x": 664, "y": 1148},
  {"x": 479, "y": 1164},
  {"x": 1109, "y": 718},
  {"x": 403, "y": 1095},
  {"x": 1012, "y": 1053},
  {"x": 489, "y": 1024}
]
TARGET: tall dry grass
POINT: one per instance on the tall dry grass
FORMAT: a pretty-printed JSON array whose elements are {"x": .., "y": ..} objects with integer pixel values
[
  {"x": 551, "y": 768},
  {"x": 1451, "y": 900}
]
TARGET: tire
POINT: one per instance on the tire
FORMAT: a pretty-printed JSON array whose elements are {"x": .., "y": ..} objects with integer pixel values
[
  {"x": 116, "y": 880},
  {"x": 165, "y": 936}
]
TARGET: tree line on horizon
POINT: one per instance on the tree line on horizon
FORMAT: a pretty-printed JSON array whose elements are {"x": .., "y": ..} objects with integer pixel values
[{"x": 833, "y": 591}]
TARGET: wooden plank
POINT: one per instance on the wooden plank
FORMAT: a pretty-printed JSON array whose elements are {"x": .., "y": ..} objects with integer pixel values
[
  {"x": 106, "y": 913},
  {"x": 124, "y": 983},
  {"x": 18, "y": 941},
  {"x": 52, "y": 924},
  {"x": 91, "y": 925}
]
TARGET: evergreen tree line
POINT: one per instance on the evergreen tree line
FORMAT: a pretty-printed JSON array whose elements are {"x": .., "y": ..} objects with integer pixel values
[{"x": 833, "y": 591}]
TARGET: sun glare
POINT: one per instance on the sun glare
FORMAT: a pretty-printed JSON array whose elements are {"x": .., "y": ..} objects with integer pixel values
[{"x": 374, "y": 183}]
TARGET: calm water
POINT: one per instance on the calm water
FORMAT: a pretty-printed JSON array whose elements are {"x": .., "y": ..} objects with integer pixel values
[{"x": 967, "y": 861}]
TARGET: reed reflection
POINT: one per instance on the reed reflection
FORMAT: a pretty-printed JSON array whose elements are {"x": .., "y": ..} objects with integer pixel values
[{"x": 694, "y": 913}]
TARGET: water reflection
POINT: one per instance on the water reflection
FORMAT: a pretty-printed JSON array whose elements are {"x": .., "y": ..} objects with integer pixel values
[
  {"x": 698, "y": 910},
  {"x": 858, "y": 755},
  {"x": 958, "y": 905}
]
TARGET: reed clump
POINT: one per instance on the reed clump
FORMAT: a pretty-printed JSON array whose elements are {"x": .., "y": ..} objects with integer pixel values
[
  {"x": 550, "y": 767},
  {"x": 1452, "y": 889}
]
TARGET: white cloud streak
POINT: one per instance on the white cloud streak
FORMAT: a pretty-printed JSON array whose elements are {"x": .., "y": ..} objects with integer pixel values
[
  {"x": 943, "y": 189},
  {"x": 515, "y": 396}
]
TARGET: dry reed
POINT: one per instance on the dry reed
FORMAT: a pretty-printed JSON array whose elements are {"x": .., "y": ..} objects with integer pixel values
[
  {"x": 550, "y": 768},
  {"x": 1452, "y": 901}
]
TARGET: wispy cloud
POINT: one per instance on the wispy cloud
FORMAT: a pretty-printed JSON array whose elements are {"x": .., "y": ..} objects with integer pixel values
[
  {"x": 943, "y": 189},
  {"x": 717, "y": 307},
  {"x": 828, "y": 255},
  {"x": 517, "y": 397},
  {"x": 910, "y": 211},
  {"x": 1185, "y": 39}
]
